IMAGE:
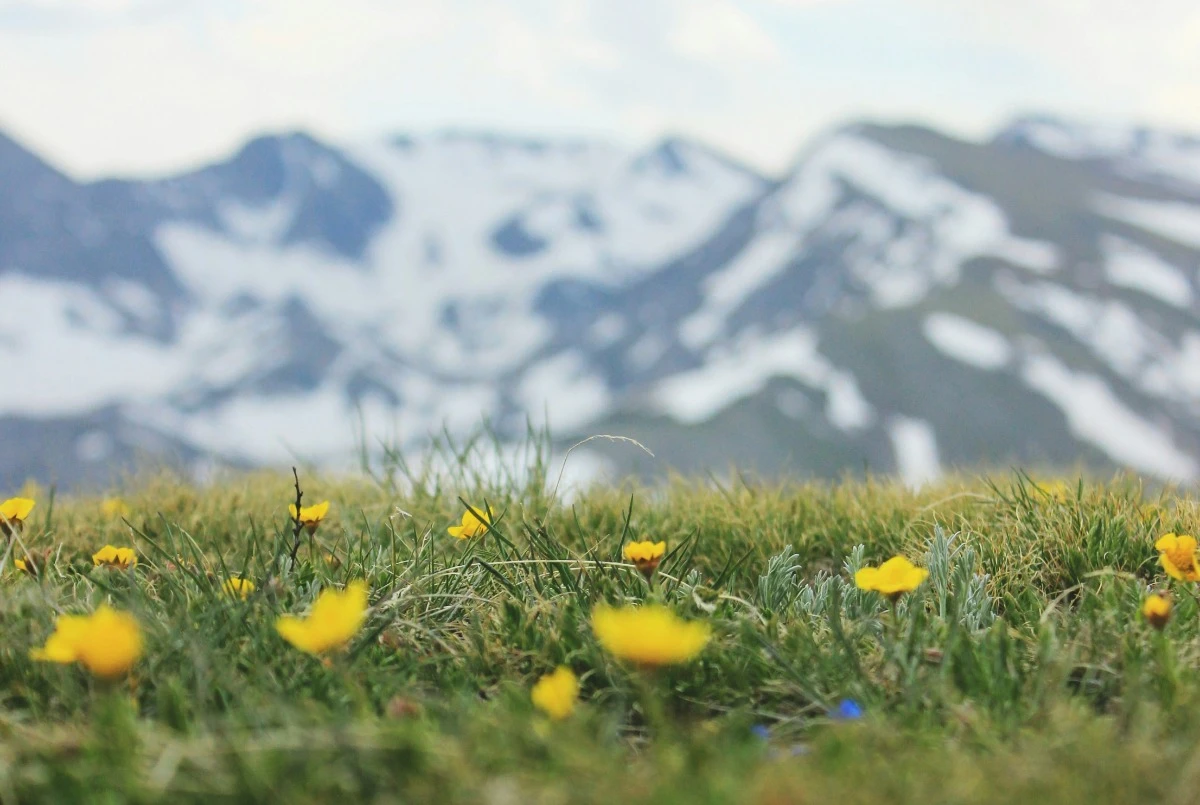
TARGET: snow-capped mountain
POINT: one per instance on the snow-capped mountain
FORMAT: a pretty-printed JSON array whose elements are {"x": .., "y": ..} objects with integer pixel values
[{"x": 899, "y": 300}]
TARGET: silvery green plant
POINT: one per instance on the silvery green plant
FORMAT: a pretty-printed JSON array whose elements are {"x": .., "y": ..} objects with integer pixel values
[
  {"x": 952, "y": 582},
  {"x": 815, "y": 598},
  {"x": 777, "y": 588}
]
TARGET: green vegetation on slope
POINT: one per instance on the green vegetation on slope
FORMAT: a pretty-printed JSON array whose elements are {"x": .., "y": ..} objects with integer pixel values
[{"x": 1020, "y": 671}]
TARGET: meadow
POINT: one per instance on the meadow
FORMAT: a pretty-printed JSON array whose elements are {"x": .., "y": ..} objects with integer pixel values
[{"x": 1018, "y": 665}]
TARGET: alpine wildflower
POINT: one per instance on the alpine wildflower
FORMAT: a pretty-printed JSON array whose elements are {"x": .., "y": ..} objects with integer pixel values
[
  {"x": 893, "y": 578},
  {"x": 108, "y": 642},
  {"x": 846, "y": 710},
  {"x": 555, "y": 694},
  {"x": 13, "y": 513},
  {"x": 333, "y": 620},
  {"x": 309, "y": 516},
  {"x": 111, "y": 556},
  {"x": 236, "y": 585},
  {"x": 33, "y": 563},
  {"x": 472, "y": 526},
  {"x": 1177, "y": 553},
  {"x": 1156, "y": 609},
  {"x": 1058, "y": 491},
  {"x": 645, "y": 555},
  {"x": 649, "y": 636},
  {"x": 114, "y": 508}
]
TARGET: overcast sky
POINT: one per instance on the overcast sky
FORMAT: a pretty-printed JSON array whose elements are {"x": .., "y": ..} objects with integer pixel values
[{"x": 145, "y": 86}]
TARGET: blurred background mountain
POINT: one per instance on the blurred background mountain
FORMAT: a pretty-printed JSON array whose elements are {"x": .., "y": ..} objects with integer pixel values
[{"x": 896, "y": 300}]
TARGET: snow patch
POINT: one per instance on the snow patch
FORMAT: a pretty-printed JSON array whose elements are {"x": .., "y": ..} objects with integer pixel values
[
  {"x": 63, "y": 352},
  {"x": 1128, "y": 150},
  {"x": 566, "y": 391},
  {"x": 845, "y": 406},
  {"x": 724, "y": 291},
  {"x": 1131, "y": 266},
  {"x": 1110, "y": 329},
  {"x": 259, "y": 224},
  {"x": 1096, "y": 415},
  {"x": 646, "y": 350},
  {"x": 967, "y": 341},
  {"x": 745, "y": 369},
  {"x": 606, "y": 330},
  {"x": 914, "y": 445},
  {"x": 912, "y": 229},
  {"x": 134, "y": 298},
  {"x": 1176, "y": 220}
]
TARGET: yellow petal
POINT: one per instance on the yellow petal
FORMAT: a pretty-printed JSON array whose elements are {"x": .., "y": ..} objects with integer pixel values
[
  {"x": 111, "y": 643},
  {"x": 296, "y": 632},
  {"x": 1165, "y": 543},
  {"x": 556, "y": 694},
  {"x": 16, "y": 509},
  {"x": 864, "y": 579},
  {"x": 651, "y": 635},
  {"x": 1170, "y": 567}
]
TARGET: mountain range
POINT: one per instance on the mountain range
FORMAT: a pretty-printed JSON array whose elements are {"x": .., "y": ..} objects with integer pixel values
[{"x": 898, "y": 300}]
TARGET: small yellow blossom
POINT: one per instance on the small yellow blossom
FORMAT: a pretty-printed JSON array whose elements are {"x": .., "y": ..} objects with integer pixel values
[
  {"x": 236, "y": 585},
  {"x": 555, "y": 694},
  {"x": 646, "y": 555},
  {"x": 1058, "y": 491},
  {"x": 1156, "y": 609},
  {"x": 310, "y": 516},
  {"x": 472, "y": 526},
  {"x": 1177, "y": 553},
  {"x": 894, "y": 577},
  {"x": 110, "y": 556},
  {"x": 33, "y": 564},
  {"x": 13, "y": 513},
  {"x": 650, "y": 636},
  {"x": 333, "y": 620},
  {"x": 114, "y": 508},
  {"x": 107, "y": 642}
]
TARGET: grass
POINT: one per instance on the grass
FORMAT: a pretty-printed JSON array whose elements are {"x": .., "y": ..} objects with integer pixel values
[{"x": 1019, "y": 672}]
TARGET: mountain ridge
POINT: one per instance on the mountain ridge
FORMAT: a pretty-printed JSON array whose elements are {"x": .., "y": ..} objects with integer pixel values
[{"x": 671, "y": 292}]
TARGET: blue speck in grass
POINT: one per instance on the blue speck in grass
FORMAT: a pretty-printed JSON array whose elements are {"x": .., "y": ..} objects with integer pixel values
[
  {"x": 761, "y": 731},
  {"x": 846, "y": 710}
]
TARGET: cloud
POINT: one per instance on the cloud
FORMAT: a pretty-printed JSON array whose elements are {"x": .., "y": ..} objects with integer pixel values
[
  {"x": 152, "y": 85},
  {"x": 799, "y": 3},
  {"x": 718, "y": 31},
  {"x": 1141, "y": 58}
]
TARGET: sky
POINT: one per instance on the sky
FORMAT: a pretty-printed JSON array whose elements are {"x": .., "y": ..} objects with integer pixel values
[{"x": 144, "y": 87}]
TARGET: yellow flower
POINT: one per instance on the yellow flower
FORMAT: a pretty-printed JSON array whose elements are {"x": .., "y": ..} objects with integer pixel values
[
  {"x": 114, "y": 507},
  {"x": 1058, "y": 491},
  {"x": 646, "y": 555},
  {"x": 472, "y": 526},
  {"x": 236, "y": 585},
  {"x": 109, "y": 556},
  {"x": 650, "y": 636},
  {"x": 1178, "y": 556},
  {"x": 13, "y": 513},
  {"x": 333, "y": 620},
  {"x": 1156, "y": 609},
  {"x": 895, "y": 576},
  {"x": 33, "y": 564},
  {"x": 555, "y": 694},
  {"x": 310, "y": 516},
  {"x": 107, "y": 642}
]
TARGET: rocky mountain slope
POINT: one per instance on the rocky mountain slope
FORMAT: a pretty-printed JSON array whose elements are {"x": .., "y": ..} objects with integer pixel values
[{"x": 899, "y": 300}]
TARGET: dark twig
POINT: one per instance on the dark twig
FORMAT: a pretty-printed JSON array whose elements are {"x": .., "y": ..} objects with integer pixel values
[{"x": 297, "y": 526}]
